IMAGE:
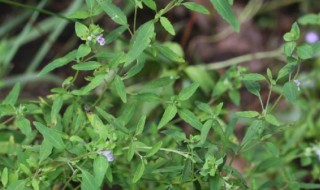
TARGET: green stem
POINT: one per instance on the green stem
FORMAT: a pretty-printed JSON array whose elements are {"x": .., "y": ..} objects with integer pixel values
[
  {"x": 242, "y": 59},
  {"x": 35, "y": 9},
  {"x": 268, "y": 100}
]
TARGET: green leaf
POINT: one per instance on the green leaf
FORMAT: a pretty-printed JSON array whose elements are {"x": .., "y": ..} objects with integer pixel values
[
  {"x": 253, "y": 87},
  {"x": 96, "y": 81},
  {"x": 138, "y": 172},
  {"x": 169, "y": 53},
  {"x": 131, "y": 152},
  {"x": 167, "y": 25},
  {"x": 79, "y": 14},
  {"x": 151, "y": 4},
  {"x": 116, "y": 14},
  {"x": 13, "y": 95},
  {"x": 234, "y": 95},
  {"x": 224, "y": 10},
  {"x": 294, "y": 33},
  {"x": 154, "y": 149},
  {"x": 100, "y": 167},
  {"x": 35, "y": 184},
  {"x": 309, "y": 185},
  {"x": 88, "y": 181},
  {"x": 205, "y": 131},
  {"x": 120, "y": 88},
  {"x": 17, "y": 185},
  {"x": 290, "y": 91},
  {"x": 83, "y": 51},
  {"x": 87, "y": 66},
  {"x": 168, "y": 115},
  {"x": 312, "y": 19},
  {"x": 115, "y": 34},
  {"x": 248, "y": 114},
  {"x": 287, "y": 69},
  {"x": 24, "y": 126},
  {"x": 4, "y": 176},
  {"x": 140, "y": 125},
  {"x": 305, "y": 51},
  {"x": 58, "y": 63},
  {"x": 204, "y": 107},
  {"x": 113, "y": 121},
  {"x": 289, "y": 47},
  {"x": 253, "y": 77},
  {"x": 56, "y": 107},
  {"x": 147, "y": 97},
  {"x": 216, "y": 182},
  {"x": 190, "y": 118},
  {"x": 45, "y": 150},
  {"x": 253, "y": 133},
  {"x": 272, "y": 120},
  {"x": 140, "y": 41},
  {"x": 196, "y": 7},
  {"x": 267, "y": 164},
  {"x": 187, "y": 92},
  {"x": 200, "y": 76},
  {"x": 82, "y": 31},
  {"x": 159, "y": 82},
  {"x": 50, "y": 135}
]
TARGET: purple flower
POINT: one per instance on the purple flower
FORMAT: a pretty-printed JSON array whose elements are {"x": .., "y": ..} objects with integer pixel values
[
  {"x": 297, "y": 83},
  {"x": 101, "y": 40},
  {"x": 311, "y": 37},
  {"x": 108, "y": 154}
]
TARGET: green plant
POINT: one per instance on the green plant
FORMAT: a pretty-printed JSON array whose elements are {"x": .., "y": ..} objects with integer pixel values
[{"x": 138, "y": 122}]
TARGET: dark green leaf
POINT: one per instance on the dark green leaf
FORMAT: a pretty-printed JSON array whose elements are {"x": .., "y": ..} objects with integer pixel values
[
  {"x": 120, "y": 88},
  {"x": 83, "y": 51},
  {"x": 140, "y": 125},
  {"x": 305, "y": 51},
  {"x": 290, "y": 91},
  {"x": 155, "y": 148},
  {"x": 253, "y": 87}
]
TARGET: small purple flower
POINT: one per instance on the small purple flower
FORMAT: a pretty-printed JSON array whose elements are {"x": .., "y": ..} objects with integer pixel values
[
  {"x": 108, "y": 154},
  {"x": 101, "y": 40},
  {"x": 297, "y": 83},
  {"x": 311, "y": 37}
]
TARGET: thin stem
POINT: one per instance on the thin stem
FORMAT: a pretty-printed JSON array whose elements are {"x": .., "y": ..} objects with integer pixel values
[
  {"x": 242, "y": 59},
  {"x": 261, "y": 103},
  {"x": 7, "y": 121},
  {"x": 135, "y": 18},
  {"x": 35, "y": 9},
  {"x": 268, "y": 100}
]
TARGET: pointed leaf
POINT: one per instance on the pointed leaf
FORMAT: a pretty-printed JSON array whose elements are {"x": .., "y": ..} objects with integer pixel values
[
  {"x": 139, "y": 172},
  {"x": 24, "y": 125},
  {"x": 224, "y": 10},
  {"x": 141, "y": 41},
  {"x": 58, "y": 63},
  {"x": 154, "y": 149},
  {"x": 168, "y": 115},
  {"x": 196, "y": 7},
  {"x": 100, "y": 167},
  {"x": 87, "y": 66},
  {"x": 167, "y": 25},
  {"x": 140, "y": 125},
  {"x": 50, "y": 135},
  {"x": 13, "y": 95},
  {"x": 187, "y": 92},
  {"x": 88, "y": 181},
  {"x": 190, "y": 118},
  {"x": 116, "y": 14},
  {"x": 120, "y": 88}
]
